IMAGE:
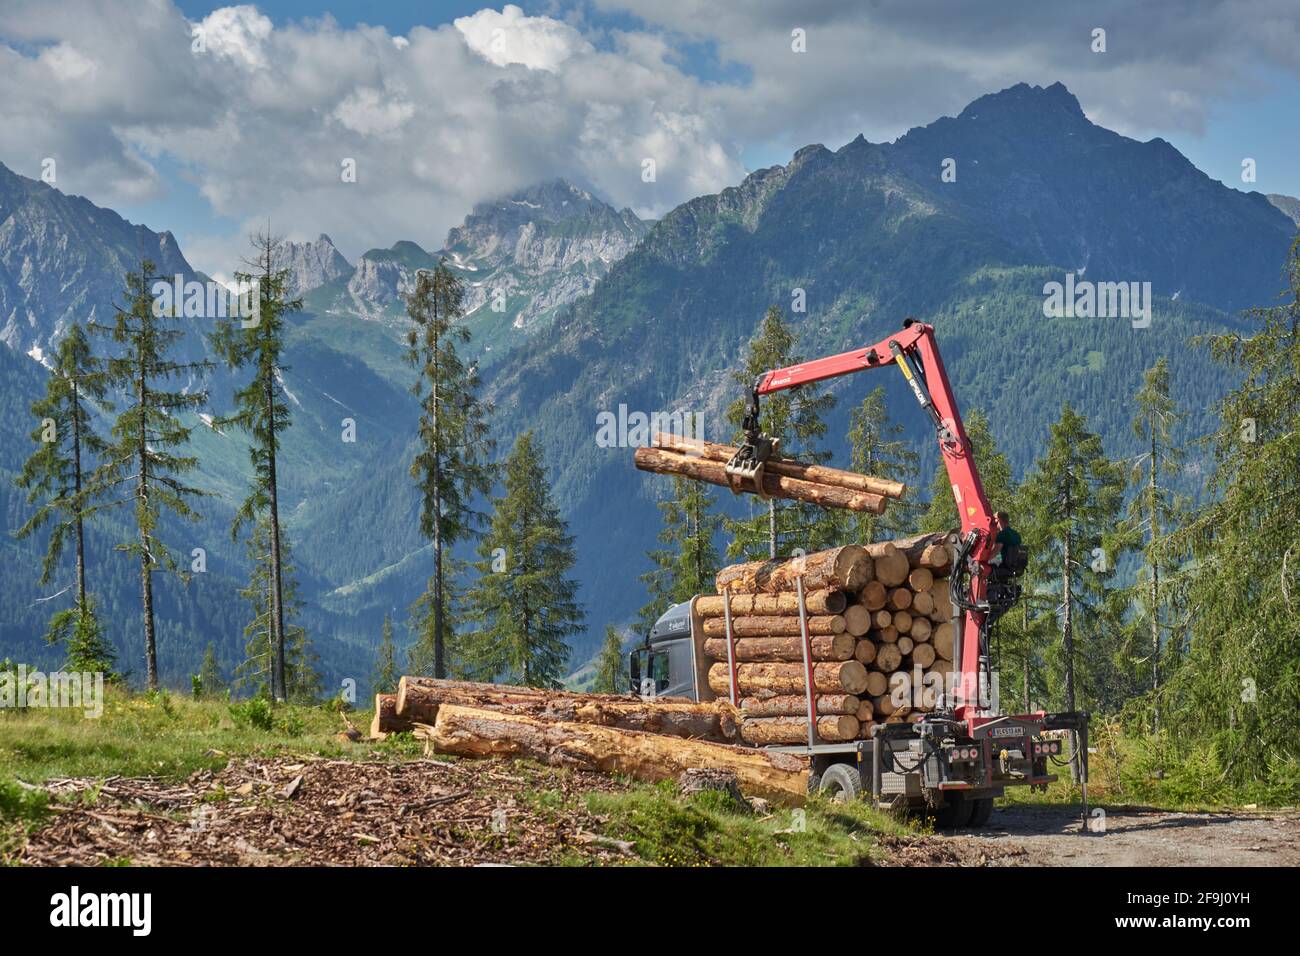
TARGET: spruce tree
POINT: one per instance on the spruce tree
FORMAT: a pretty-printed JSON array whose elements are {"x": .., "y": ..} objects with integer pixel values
[
  {"x": 523, "y": 604},
  {"x": 1154, "y": 510},
  {"x": 257, "y": 343},
  {"x": 453, "y": 435},
  {"x": 1238, "y": 692},
  {"x": 877, "y": 447},
  {"x": 611, "y": 674},
  {"x": 689, "y": 563},
  {"x": 1075, "y": 497},
  {"x": 142, "y": 454},
  {"x": 57, "y": 475},
  {"x": 796, "y": 417},
  {"x": 208, "y": 682},
  {"x": 257, "y": 672},
  {"x": 385, "y": 677}
]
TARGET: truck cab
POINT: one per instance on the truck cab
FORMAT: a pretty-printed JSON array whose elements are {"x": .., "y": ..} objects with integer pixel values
[{"x": 666, "y": 665}]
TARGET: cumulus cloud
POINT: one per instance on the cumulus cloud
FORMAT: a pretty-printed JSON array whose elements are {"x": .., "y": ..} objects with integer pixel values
[{"x": 538, "y": 43}]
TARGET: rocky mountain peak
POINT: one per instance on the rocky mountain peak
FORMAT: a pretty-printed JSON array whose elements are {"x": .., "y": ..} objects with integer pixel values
[{"x": 312, "y": 264}]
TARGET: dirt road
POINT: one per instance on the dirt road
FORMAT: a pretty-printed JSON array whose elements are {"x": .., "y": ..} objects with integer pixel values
[{"x": 1136, "y": 836}]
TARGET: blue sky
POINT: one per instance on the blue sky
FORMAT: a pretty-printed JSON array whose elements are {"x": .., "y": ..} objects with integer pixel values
[{"x": 436, "y": 117}]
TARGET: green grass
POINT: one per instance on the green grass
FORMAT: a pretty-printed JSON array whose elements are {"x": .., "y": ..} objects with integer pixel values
[{"x": 711, "y": 829}]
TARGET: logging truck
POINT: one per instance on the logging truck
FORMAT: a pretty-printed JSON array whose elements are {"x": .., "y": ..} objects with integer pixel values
[{"x": 949, "y": 756}]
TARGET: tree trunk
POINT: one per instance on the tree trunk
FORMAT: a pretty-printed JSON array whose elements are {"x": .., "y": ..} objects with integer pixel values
[
  {"x": 837, "y": 647},
  {"x": 146, "y": 554},
  {"x": 278, "y": 678},
  {"x": 857, "y": 620},
  {"x": 76, "y": 487},
  {"x": 865, "y": 651},
  {"x": 888, "y": 658},
  {"x": 774, "y": 485},
  {"x": 891, "y": 564},
  {"x": 793, "y": 730},
  {"x": 787, "y": 625},
  {"x": 473, "y": 732},
  {"x": 843, "y": 677},
  {"x": 847, "y": 568},
  {"x": 873, "y": 596},
  {"x": 796, "y": 705},
  {"x": 386, "y": 720},
  {"x": 787, "y": 602}
]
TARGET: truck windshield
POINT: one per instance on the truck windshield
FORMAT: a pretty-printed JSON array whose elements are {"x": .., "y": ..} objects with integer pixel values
[{"x": 659, "y": 671}]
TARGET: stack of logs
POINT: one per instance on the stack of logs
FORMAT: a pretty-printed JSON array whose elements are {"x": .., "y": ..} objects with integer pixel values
[{"x": 877, "y": 616}]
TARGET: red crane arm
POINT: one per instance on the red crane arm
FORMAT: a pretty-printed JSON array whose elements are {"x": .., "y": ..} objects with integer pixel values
[{"x": 915, "y": 352}]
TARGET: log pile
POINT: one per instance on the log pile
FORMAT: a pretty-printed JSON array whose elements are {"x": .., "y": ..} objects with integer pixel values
[
  {"x": 645, "y": 738},
  {"x": 782, "y": 477},
  {"x": 879, "y": 618}
]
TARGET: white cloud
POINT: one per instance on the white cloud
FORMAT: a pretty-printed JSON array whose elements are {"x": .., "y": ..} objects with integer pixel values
[
  {"x": 237, "y": 33},
  {"x": 538, "y": 43}
]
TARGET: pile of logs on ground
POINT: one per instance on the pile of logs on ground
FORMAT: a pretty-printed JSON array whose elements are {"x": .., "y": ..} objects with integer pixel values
[
  {"x": 644, "y": 738},
  {"x": 878, "y": 616},
  {"x": 782, "y": 477}
]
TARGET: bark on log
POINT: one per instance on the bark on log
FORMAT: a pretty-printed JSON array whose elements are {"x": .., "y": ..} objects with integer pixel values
[
  {"x": 888, "y": 658},
  {"x": 785, "y": 625},
  {"x": 796, "y": 705},
  {"x": 848, "y": 567},
  {"x": 819, "y": 474},
  {"x": 925, "y": 550},
  {"x": 857, "y": 620},
  {"x": 873, "y": 596},
  {"x": 774, "y": 485},
  {"x": 473, "y": 732},
  {"x": 787, "y": 602},
  {"x": 891, "y": 564},
  {"x": 791, "y": 730},
  {"x": 420, "y": 699},
  {"x": 843, "y": 677},
  {"x": 865, "y": 651},
  {"x": 833, "y": 647}
]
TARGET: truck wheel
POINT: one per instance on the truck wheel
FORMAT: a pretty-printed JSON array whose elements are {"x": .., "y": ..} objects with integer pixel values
[
  {"x": 981, "y": 811},
  {"x": 841, "y": 782},
  {"x": 956, "y": 812}
]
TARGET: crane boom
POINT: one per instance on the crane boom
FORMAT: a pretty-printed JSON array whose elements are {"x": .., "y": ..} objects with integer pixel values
[{"x": 916, "y": 353}]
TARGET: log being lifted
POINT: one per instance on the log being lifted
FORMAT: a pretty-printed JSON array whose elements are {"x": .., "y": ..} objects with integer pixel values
[
  {"x": 820, "y": 474},
  {"x": 832, "y": 647},
  {"x": 787, "y": 602},
  {"x": 474, "y": 732},
  {"x": 843, "y": 677},
  {"x": 794, "y": 730},
  {"x": 421, "y": 699},
  {"x": 774, "y": 485},
  {"x": 783, "y": 625},
  {"x": 847, "y": 568}
]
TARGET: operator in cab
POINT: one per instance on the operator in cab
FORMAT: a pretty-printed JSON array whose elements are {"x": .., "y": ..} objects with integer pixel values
[{"x": 1007, "y": 537}]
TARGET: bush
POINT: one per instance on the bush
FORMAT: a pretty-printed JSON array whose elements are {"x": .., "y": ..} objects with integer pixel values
[{"x": 254, "y": 712}]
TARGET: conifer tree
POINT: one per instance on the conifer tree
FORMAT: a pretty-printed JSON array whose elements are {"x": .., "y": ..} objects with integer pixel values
[
  {"x": 689, "y": 562},
  {"x": 302, "y": 680},
  {"x": 1075, "y": 495},
  {"x": 257, "y": 342},
  {"x": 796, "y": 417},
  {"x": 1154, "y": 510},
  {"x": 208, "y": 682},
  {"x": 453, "y": 438},
  {"x": 385, "y": 677},
  {"x": 142, "y": 455},
  {"x": 611, "y": 674},
  {"x": 57, "y": 476},
  {"x": 1239, "y": 689},
  {"x": 523, "y": 604},
  {"x": 877, "y": 447}
]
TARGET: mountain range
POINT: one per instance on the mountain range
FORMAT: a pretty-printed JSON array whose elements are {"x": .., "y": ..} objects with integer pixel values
[{"x": 961, "y": 223}]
